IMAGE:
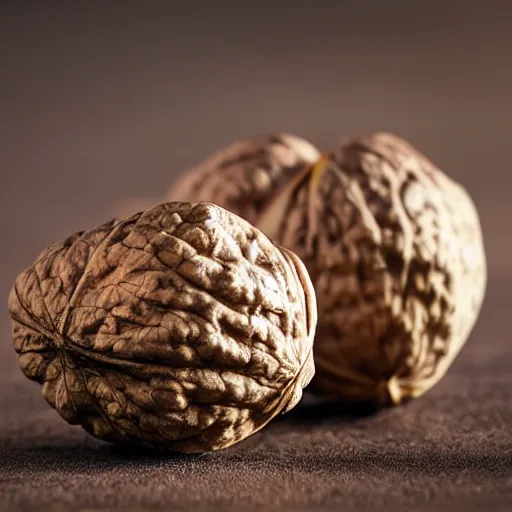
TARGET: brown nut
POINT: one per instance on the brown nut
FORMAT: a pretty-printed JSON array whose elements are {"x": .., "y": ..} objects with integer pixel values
[
  {"x": 181, "y": 327},
  {"x": 395, "y": 252},
  {"x": 244, "y": 176}
]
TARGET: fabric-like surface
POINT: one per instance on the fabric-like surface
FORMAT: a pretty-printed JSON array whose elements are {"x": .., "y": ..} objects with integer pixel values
[{"x": 449, "y": 450}]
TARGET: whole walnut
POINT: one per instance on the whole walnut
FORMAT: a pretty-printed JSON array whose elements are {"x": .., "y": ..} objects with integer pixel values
[
  {"x": 245, "y": 175},
  {"x": 181, "y": 327},
  {"x": 394, "y": 249}
]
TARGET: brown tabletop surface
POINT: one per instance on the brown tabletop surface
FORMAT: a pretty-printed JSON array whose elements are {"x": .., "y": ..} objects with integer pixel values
[{"x": 101, "y": 104}]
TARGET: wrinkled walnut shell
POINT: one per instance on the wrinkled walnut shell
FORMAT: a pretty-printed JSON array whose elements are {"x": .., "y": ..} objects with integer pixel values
[
  {"x": 181, "y": 327},
  {"x": 245, "y": 175},
  {"x": 394, "y": 249}
]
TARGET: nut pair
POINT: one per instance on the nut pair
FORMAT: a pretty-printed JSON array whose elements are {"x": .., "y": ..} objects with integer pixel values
[{"x": 189, "y": 328}]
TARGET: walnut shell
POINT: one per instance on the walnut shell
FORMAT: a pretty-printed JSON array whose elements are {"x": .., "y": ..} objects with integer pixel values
[
  {"x": 394, "y": 249},
  {"x": 245, "y": 175},
  {"x": 181, "y": 327}
]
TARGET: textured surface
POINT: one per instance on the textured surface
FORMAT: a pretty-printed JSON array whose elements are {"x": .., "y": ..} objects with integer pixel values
[
  {"x": 394, "y": 248},
  {"x": 94, "y": 95},
  {"x": 244, "y": 176},
  {"x": 182, "y": 326}
]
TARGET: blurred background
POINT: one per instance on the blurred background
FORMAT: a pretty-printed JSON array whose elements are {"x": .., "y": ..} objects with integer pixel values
[{"x": 102, "y": 101}]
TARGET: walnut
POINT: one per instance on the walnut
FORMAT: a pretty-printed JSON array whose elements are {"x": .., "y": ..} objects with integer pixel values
[
  {"x": 181, "y": 327},
  {"x": 244, "y": 176},
  {"x": 395, "y": 252}
]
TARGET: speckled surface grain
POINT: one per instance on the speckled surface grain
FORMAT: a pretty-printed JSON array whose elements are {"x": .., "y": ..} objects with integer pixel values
[{"x": 451, "y": 448}]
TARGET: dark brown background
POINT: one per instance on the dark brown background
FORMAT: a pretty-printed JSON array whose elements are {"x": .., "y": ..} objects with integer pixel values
[{"x": 102, "y": 101}]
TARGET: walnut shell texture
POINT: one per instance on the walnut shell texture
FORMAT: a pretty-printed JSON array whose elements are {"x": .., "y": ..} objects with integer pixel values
[
  {"x": 245, "y": 175},
  {"x": 395, "y": 251},
  {"x": 181, "y": 327}
]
